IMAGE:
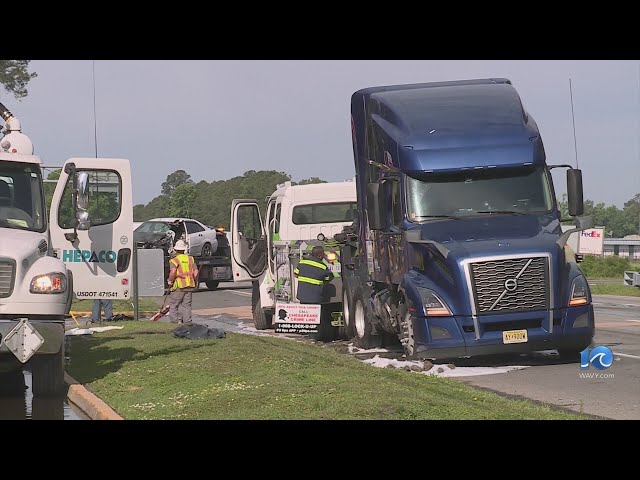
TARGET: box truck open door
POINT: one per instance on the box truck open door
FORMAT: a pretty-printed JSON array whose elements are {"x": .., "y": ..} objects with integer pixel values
[
  {"x": 96, "y": 244},
  {"x": 248, "y": 241}
]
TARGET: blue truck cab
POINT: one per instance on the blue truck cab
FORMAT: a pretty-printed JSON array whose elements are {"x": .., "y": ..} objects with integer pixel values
[{"x": 457, "y": 249}]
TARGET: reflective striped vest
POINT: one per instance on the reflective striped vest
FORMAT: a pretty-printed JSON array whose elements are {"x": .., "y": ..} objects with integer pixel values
[
  {"x": 312, "y": 275},
  {"x": 185, "y": 268}
]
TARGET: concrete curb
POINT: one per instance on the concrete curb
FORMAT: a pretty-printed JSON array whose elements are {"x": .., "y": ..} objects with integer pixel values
[{"x": 86, "y": 401}]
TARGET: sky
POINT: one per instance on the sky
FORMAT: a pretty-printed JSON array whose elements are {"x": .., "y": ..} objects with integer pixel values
[{"x": 216, "y": 119}]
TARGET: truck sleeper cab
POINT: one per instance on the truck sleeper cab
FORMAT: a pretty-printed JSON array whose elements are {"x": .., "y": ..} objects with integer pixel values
[{"x": 458, "y": 250}]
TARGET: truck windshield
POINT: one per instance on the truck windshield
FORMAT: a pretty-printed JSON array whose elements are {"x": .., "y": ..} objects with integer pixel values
[
  {"x": 498, "y": 191},
  {"x": 21, "y": 199}
]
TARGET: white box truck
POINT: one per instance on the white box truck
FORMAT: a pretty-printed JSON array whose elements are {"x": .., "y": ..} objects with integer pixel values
[{"x": 84, "y": 245}]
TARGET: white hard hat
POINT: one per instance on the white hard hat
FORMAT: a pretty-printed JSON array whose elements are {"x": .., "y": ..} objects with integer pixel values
[{"x": 180, "y": 245}]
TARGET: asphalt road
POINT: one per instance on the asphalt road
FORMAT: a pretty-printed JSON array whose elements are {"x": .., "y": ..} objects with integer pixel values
[
  {"x": 550, "y": 380},
  {"x": 544, "y": 377}
]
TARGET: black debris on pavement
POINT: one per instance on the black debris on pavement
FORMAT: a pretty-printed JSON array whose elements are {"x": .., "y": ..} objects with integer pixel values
[{"x": 197, "y": 331}]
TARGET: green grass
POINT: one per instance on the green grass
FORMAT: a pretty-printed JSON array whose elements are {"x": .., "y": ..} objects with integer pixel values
[
  {"x": 144, "y": 372},
  {"x": 145, "y": 305},
  {"x": 612, "y": 289}
]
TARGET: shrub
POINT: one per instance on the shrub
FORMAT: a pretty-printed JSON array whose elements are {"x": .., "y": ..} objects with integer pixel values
[{"x": 606, "y": 267}]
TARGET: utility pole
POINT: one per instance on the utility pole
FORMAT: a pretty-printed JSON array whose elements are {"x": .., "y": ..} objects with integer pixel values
[{"x": 573, "y": 119}]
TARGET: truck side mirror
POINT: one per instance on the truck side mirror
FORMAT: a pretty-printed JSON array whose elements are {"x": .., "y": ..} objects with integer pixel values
[
  {"x": 82, "y": 202},
  {"x": 574, "y": 192},
  {"x": 375, "y": 206},
  {"x": 83, "y": 190}
]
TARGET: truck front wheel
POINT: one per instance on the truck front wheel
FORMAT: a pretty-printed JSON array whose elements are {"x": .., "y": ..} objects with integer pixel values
[
  {"x": 48, "y": 373},
  {"x": 407, "y": 335},
  {"x": 362, "y": 322}
]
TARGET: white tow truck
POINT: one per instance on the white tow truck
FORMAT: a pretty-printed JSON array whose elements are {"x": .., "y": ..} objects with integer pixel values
[
  {"x": 83, "y": 246},
  {"x": 299, "y": 217}
]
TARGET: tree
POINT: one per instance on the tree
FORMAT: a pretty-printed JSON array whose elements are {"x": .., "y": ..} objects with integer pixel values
[
  {"x": 174, "y": 180},
  {"x": 182, "y": 200},
  {"x": 156, "y": 208},
  {"x": 14, "y": 76},
  {"x": 631, "y": 213},
  {"x": 139, "y": 213},
  {"x": 50, "y": 188},
  {"x": 210, "y": 202},
  {"x": 563, "y": 206},
  {"x": 309, "y": 181}
]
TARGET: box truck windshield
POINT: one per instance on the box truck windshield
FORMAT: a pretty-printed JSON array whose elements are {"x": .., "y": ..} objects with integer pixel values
[{"x": 21, "y": 199}]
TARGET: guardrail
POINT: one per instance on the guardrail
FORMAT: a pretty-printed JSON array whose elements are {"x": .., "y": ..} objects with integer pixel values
[{"x": 632, "y": 279}]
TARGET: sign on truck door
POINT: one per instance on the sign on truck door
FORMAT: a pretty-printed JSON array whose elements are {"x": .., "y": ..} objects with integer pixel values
[
  {"x": 100, "y": 258},
  {"x": 248, "y": 241}
]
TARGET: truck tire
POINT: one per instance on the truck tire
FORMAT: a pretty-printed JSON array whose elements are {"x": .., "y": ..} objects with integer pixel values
[
  {"x": 12, "y": 384},
  {"x": 326, "y": 333},
  {"x": 261, "y": 319},
  {"x": 407, "y": 336},
  {"x": 572, "y": 354},
  {"x": 363, "y": 328},
  {"x": 347, "y": 331},
  {"x": 212, "y": 284},
  {"x": 48, "y": 373}
]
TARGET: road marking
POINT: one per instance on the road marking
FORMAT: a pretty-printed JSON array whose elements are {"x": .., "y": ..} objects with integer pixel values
[
  {"x": 244, "y": 294},
  {"x": 633, "y": 321},
  {"x": 626, "y": 355}
]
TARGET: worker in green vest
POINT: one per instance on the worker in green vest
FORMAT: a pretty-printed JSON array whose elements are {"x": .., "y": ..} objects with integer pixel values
[
  {"x": 312, "y": 275},
  {"x": 183, "y": 280}
]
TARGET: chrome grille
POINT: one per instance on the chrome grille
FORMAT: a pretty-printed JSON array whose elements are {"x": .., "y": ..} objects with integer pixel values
[
  {"x": 512, "y": 284},
  {"x": 6, "y": 278}
]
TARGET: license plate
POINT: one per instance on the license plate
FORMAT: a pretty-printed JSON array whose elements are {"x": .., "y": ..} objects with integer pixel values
[{"x": 514, "y": 336}]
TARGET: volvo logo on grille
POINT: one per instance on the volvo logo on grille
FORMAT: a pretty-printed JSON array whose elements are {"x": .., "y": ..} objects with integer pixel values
[{"x": 510, "y": 285}]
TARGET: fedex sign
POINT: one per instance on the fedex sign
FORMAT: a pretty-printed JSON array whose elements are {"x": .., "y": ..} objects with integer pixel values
[{"x": 591, "y": 241}]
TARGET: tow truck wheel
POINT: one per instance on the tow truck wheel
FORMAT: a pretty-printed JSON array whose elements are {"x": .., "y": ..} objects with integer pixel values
[
  {"x": 362, "y": 322},
  {"x": 326, "y": 333},
  {"x": 261, "y": 319},
  {"x": 212, "y": 284},
  {"x": 48, "y": 373}
]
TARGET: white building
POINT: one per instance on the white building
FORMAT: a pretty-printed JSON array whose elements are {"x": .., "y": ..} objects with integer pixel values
[{"x": 628, "y": 246}]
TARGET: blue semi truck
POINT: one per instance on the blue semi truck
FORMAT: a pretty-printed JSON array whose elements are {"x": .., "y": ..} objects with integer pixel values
[{"x": 457, "y": 249}]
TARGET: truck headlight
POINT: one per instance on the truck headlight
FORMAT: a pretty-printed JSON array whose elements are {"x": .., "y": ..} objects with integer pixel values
[
  {"x": 53, "y": 282},
  {"x": 433, "y": 306},
  {"x": 579, "y": 292}
]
